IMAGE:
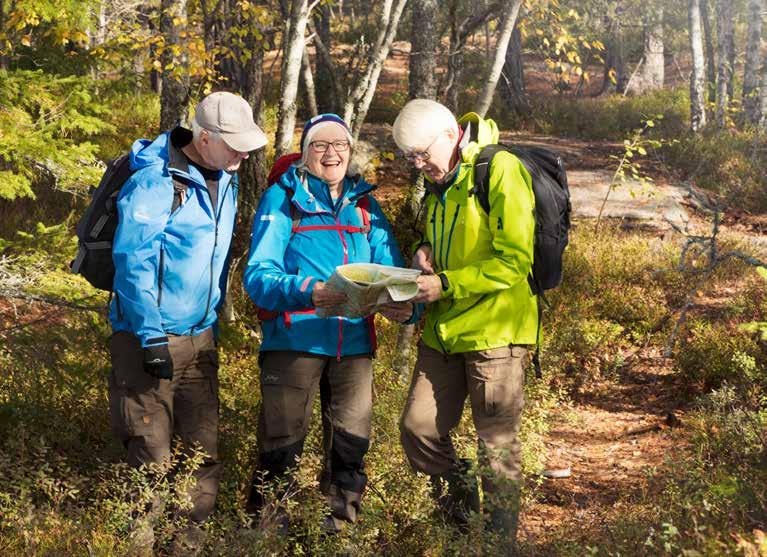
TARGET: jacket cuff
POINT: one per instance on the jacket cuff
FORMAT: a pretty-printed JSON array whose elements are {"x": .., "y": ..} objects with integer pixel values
[
  {"x": 155, "y": 341},
  {"x": 447, "y": 293},
  {"x": 416, "y": 316},
  {"x": 305, "y": 287}
]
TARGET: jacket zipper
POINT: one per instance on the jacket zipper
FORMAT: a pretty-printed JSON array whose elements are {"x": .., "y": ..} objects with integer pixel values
[
  {"x": 160, "y": 275},
  {"x": 217, "y": 216}
]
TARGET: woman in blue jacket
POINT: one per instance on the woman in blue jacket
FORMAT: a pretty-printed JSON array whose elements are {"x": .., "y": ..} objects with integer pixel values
[{"x": 312, "y": 220}]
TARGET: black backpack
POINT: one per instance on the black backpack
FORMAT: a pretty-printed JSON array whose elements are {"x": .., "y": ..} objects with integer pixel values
[
  {"x": 96, "y": 229},
  {"x": 552, "y": 213}
]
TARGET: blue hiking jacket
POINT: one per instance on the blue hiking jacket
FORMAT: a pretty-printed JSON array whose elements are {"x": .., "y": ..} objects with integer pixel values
[
  {"x": 284, "y": 265},
  {"x": 170, "y": 269}
]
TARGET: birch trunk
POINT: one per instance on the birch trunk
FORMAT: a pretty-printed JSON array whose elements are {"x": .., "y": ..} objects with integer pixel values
[
  {"x": 507, "y": 26},
  {"x": 293, "y": 50},
  {"x": 174, "y": 97},
  {"x": 753, "y": 61},
  {"x": 705, "y": 15},
  {"x": 308, "y": 79},
  {"x": 651, "y": 75},
  {"x": 697, "y": 76},
  {"x": 763, "y": 99},
  {"x": 614, "y": 79},
  {"x": 357, "y": 104},
  {"x": 724, "y": 74}
]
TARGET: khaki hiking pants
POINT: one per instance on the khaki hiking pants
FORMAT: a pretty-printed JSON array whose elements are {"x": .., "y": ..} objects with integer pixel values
[
  {"x": 493, "y": 380},
  {"x": 146, "y": 412},
  {"x": 289, "y": 382}
]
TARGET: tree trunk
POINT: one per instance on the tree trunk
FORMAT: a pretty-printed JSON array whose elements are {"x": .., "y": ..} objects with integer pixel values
[
  {"x": 615, "y": 78},
  {"x": 327, "y": 87},
  {"x": 697, "y": 76},
  {"x": 753, "y": 61},
  {"x": 174, "y": 97},
  {"x": 651, "y": 75},
  {"x": 705, "y": 15},
  {"x": 459, "y": 34},
  {"x": 724, "y": 34},
  {"x": 763, "y": 99},
  {"x": 357, "y": 104},
  {"x": 3, "y": 57},
  {"x": 424, "y": 41},
  {"x": 293, "y": 49},
  {"x": 308, "y": 79},
  {"x": 504, "y": 35},
  {"x": 513, "y": 76}
]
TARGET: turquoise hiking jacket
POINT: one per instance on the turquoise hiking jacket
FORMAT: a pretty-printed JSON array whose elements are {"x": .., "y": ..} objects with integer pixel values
[{"x": 284, "y": 265}]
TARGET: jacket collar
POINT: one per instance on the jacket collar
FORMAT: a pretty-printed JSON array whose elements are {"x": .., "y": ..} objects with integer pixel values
[{"x": 311, "y": 195}]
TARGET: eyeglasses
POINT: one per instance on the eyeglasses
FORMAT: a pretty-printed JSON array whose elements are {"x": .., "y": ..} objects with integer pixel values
[
  {"x": 422, "y": 156},
  {"x": 321, "y": 146}
]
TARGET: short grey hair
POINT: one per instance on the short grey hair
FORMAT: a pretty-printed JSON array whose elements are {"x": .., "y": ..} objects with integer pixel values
[
  {"x": 197, "y": 130},
  {"x": 420, "y": 122}
]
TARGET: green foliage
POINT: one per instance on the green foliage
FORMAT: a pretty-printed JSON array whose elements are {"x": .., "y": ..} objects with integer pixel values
[
  {"x": 759, "y": 327},
  {"x": 45, "y": 124},
  {"x": 613, "y": 117},
  {"x": 714, "y": 353},
  {"x": 730, "y": 163}
]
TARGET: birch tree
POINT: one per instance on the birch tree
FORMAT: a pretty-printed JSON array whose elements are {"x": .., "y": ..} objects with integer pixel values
[
  {"x": 705, "y": 17},
  {"x": 697, "y": 76},
  {"x": 293, "y": 51},
  {"x": 753, "y": 61},
  {"x": 174, "y": 97},
  {"x": 763, "y": 99},
  {"x": 307, "y": 77},
  {"x": 507, "y": 26},
  {"x": 361, "y": 95},
  {"x": 724, "y": 34},
  {"x": 651, "y": 75}
]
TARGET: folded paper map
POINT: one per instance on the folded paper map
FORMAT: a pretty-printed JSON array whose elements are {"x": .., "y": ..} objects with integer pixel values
[{"x": 369, "y": 285}]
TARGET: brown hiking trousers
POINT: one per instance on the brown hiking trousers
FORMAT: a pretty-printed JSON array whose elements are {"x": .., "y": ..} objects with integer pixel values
[
  {"x": 146, "y": 412},
  {"x": 289, "y": 382},
  {"x": 493, "y": 380}
]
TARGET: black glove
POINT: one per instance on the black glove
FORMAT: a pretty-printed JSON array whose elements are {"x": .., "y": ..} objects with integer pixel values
[{"x": 157, "y": 361}]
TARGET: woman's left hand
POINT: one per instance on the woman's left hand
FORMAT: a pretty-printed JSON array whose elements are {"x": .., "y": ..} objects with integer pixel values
[{"x": 397, "y": 311}]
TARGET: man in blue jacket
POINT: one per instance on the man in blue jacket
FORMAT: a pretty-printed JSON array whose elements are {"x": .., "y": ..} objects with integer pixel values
[{"x": 176, "y": 216}]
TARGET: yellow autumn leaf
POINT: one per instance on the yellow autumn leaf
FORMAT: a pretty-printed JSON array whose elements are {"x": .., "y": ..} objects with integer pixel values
[{"x": 26, "y": 40}]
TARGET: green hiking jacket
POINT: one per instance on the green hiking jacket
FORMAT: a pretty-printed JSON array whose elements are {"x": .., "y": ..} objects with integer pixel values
[{"x": 486, "y": 258}]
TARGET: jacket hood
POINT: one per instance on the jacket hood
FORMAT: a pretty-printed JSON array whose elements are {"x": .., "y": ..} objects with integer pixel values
[
  {"x": 483, "y": 131},
  {"x": 313, "y": 196},
  {"x": 146, "y": 152}
]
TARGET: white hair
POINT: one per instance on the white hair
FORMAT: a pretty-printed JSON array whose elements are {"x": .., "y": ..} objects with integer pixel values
[
  {"x": 301, "y": 163},
  {"x": 197, "y": 130},
  {"x": 420, "y": 122}
]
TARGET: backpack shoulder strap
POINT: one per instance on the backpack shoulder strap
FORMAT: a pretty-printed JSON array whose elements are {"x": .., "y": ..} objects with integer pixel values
[
  {"x": 482, "y": 174},
  {"x": 363, "y": 212}
]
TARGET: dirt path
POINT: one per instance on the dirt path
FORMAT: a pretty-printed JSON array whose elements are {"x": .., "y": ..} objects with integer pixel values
[{"x": 613, "y": 437}]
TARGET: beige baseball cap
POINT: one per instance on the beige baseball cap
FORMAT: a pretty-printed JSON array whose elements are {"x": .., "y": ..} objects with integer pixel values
[{"x": 231, "y": 116}]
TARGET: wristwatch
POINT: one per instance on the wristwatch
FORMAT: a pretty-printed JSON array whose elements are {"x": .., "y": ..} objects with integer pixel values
[{"x": 444, "y": 281}]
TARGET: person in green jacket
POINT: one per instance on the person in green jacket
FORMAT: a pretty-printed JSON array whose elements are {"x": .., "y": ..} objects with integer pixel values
[{"x": 481, "y": 314}]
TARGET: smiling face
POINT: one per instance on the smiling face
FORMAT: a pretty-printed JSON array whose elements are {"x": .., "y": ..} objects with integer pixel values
[{"x": 332, "y": 164}]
